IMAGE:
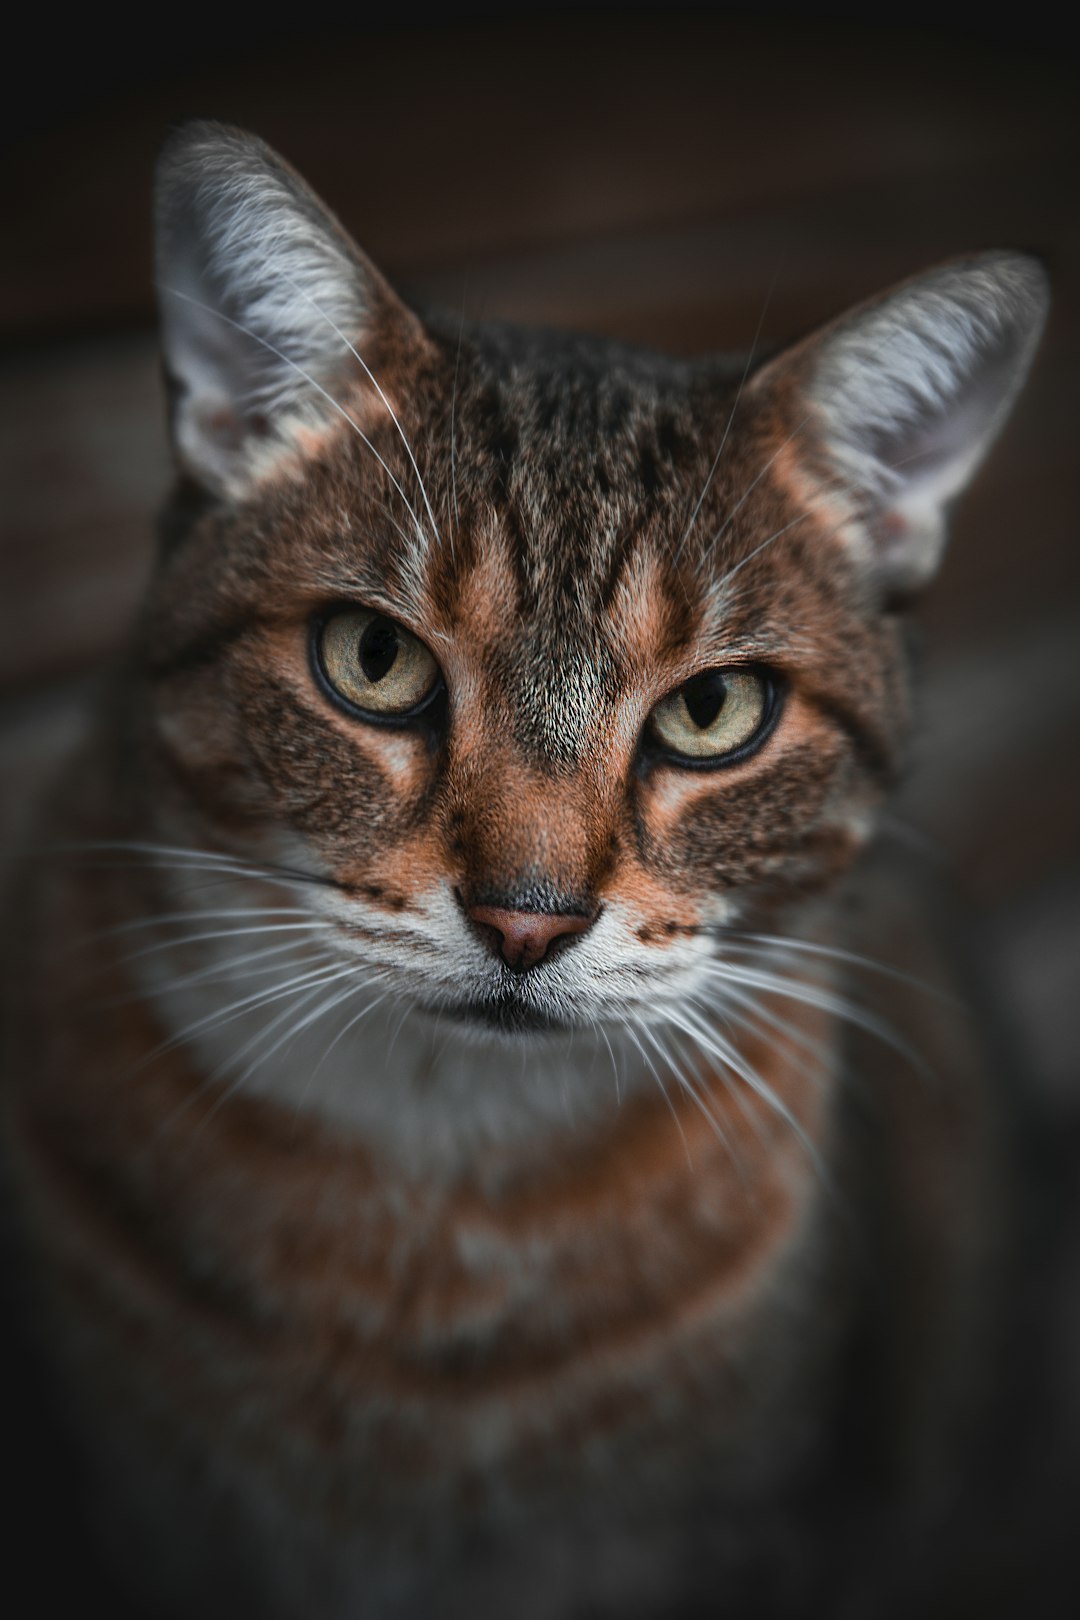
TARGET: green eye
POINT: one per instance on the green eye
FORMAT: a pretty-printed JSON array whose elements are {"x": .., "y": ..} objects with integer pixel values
[
  {"x": 374, "y": 664},
  {"x": 716, "y": 714}
]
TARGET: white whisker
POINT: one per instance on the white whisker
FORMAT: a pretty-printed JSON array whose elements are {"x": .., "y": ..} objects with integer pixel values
[
  {"x": 314, "y": 931},
  {"x": 748, "y": 491},
  {"x": 628, "y": 1025},
  {"x": 779, "y": 944},
  {"x": 764, "y": 1021},
  {"x": 313, "y": 977},
  {"x": 373, "y": 380},
  {"x": 453, "y": 421},
  {"x": 813, "y": 995},
  {"x": 731, "y": 418},
  {"x": 348, "y": 972},
  {"x": 348, "y": 1026},
  {"x": 712, "y": 1041},
  {"x": 285, "y": 359},
  {"x": 198, "y": 916},
  {"x": 250, "y": 965},
  {"x": 694, "y": 1092},
  {"x": 614, "y": 1066},
  {"x": 305, "y": 994},
  {"x": 722, "y": 1073}
]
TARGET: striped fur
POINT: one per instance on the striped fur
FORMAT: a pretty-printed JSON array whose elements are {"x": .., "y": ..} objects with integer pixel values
[{"x": 384, "y": 1275}]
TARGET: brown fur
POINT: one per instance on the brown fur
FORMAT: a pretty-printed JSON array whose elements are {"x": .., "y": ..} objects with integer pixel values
[{"x": 368, "y": 1371}]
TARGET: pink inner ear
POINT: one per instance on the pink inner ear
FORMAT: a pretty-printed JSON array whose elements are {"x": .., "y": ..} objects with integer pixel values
[
  {"x": 893, "y": 523},
  {"x": 222, "y": 424}
]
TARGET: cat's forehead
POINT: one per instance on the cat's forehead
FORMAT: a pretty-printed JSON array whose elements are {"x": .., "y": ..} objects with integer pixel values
[
  {"x": 583, "y": 464},
  {"x": 557, "y": 405}
]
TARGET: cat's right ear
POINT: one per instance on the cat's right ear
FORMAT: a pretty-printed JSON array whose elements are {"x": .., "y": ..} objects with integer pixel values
[{"x": 267, "y": 307}]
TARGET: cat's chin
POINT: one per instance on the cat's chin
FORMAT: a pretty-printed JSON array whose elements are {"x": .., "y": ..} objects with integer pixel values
[{"x": 500, "y": 1017}]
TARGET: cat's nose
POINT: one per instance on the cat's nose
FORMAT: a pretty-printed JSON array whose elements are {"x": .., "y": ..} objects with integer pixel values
[{"x": 523, "y": 938}]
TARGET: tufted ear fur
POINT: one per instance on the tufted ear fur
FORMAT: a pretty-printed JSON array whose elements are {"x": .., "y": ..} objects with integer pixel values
[
  {"x": 903, "y": 396},
  {"x": 261, "y": 294}
]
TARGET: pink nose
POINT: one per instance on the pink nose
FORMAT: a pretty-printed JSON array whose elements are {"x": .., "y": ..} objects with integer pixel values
[{"x": 522, "y": 938}]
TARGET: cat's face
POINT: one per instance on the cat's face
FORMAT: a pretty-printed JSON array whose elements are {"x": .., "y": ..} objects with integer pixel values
[
  {"x": 545, "y": 731},
  {"x": 555, "y": 660}
]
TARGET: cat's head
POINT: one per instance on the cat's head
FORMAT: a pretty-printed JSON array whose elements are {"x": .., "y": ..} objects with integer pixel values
[{"x": 552, "y": 660}]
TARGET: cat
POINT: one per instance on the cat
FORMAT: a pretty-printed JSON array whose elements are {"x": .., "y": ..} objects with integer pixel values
[{"x": 459, "y": 1137}]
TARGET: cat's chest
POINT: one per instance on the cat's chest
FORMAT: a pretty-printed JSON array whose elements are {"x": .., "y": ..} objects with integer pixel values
[{"x": 524, "y": 1326}]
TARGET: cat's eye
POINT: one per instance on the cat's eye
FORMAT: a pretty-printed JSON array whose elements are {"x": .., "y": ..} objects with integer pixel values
[
  {"x": 374, "y": 664},
  {"x": 718, "y": 716}
]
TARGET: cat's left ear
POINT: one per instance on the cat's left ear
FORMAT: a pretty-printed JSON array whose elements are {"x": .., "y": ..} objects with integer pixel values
[{"x": 898, "y": 401}]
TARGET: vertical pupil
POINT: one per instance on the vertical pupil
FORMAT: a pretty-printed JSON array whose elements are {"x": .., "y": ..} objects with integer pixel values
[
  {"x": 704, "y": 698},
  {"x": 378, "y": 648}
]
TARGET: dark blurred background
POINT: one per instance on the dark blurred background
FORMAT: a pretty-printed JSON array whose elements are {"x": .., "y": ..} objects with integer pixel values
[{"x": 648, "y": 172}]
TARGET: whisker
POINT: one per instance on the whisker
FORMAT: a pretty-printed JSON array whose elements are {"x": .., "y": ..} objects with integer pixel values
[
  {"x": 779, "y": 944},
  {"x": 602, "y": 1032},
  {"x": 296, "y": 1028},
  {"x": 314, "y": 978},
  {"x": 453, "y": 420},
  {"x": 381, "y": 506},
  {"x": 196, "y": 917},
  {"x": 731, "y": 417},
  {"x": 183, "y": 941},
  {"x": 737, "y": 1093},
  {"x": 686, "y": 1083},
  {"x": 305, "y": 995},
  {"x": 405, "y": 1011},
  {"x": 248, "y": 966},
  {"x": 370, "y": 375},
  {"x": 347, "y": 1027},
  {"x": 846, "y": 487},
  {"x": 749, "y": 490},
  {"x": 711, "y": 1040},
  {"x": 768, "y": 541},
  {"x": 762, "y": 1020},
  {"x": 348, "y": 995},
  {"x": 310, "y": 380},
  {"x": 816, "y": 996},
  {"x": 180, "y": 857},
  {"x": 628, "y": 1025},
  {"x": 762, "y": 1026}
]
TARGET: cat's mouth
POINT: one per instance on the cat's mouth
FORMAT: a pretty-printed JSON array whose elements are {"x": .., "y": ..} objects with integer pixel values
[{"x": 507, "y": 1016}]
